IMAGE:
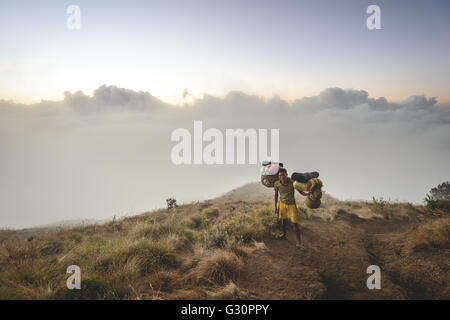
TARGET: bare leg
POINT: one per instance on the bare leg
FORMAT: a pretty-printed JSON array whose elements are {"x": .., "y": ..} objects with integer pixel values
[
  {"x": 297, "y": 233},
  {"x": 283, "y": 224}
]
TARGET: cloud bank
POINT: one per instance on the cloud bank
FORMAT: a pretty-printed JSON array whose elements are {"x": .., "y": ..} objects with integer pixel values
[{"x": 109, "y": 153}]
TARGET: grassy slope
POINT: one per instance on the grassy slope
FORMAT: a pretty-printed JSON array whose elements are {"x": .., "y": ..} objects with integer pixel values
[{"x": 225, "y": 248}]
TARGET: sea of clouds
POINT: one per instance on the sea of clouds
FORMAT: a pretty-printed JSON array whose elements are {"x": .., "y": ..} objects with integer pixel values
[{"x": 109, "y": 154}]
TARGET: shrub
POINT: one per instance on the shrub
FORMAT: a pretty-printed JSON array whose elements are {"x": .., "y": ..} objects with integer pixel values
[
  {"x": 439, "y": 197},
  {"x": 443, "y": 205},
  {"x": 171, "y": 203},
  {"x": 379, "y": 205},
  {"x": 441, "y": 192},
  {"x": 217, "y": 236}
]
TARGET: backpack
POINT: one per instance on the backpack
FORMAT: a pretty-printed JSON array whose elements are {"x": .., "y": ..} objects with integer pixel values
[
  {"x": 313, "y": 200},
  {"x": 269, "y": 173},
  {"x": 304, "y": 177}
]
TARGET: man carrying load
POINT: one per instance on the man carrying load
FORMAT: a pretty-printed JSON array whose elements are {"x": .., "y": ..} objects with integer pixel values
[{"x": 285, "y": 187}]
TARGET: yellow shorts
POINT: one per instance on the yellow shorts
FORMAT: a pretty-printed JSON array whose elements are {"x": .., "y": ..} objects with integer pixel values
[{"x": 288, "y": 208}]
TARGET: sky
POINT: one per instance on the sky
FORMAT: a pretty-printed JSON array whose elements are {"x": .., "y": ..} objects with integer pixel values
[
  {"x": 86, "y": 115},
  {"x": 287, "y": 48}
]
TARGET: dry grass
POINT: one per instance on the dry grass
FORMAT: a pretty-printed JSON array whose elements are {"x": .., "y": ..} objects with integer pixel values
[
  {"x": 210, "y": 213},
  {"x": 228, "y": 292},
  {"x": 193, "y": 251},
  {"x": 164, "y": 281},
  {"x": 435, "y": 234},
  {"x": 145, "y": 256},
  {"x": 392, "y": 210},
  {"x": 219, "y": 267},
  {"x": 240, "y": 250}
]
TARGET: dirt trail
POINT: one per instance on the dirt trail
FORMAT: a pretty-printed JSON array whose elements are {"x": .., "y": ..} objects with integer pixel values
[{"x": 334, "y": 264}]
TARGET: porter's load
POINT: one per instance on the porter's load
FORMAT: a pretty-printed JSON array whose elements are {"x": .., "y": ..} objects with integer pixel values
[
  {"x": 269, "y": 173},
  {"x": 314, "y": 188},
  {"x": 304, "y": 177}
]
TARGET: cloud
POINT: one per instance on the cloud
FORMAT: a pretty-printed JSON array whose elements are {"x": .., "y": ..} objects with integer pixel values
[
  {"x": 109, "y": 153},
  {"x": 334, "y": 98},
  {"x": 112, "y": 98},
  {"x": 419, "y": 102}
]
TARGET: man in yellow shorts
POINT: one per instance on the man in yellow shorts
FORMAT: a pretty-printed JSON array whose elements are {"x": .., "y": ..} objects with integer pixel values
[{"x": 284, "y": 186}]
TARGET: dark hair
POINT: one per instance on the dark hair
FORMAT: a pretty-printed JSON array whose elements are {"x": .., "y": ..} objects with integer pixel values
[{"x": 282, "y": 170}]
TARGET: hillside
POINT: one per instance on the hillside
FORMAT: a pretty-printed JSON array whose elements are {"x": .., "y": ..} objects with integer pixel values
[
  {"x": 20, "y": 235},
  {"x": 225, "y": 248}
]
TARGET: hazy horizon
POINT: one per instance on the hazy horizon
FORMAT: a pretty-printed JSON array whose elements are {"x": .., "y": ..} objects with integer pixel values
[{"x": 94, "y": 157}]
